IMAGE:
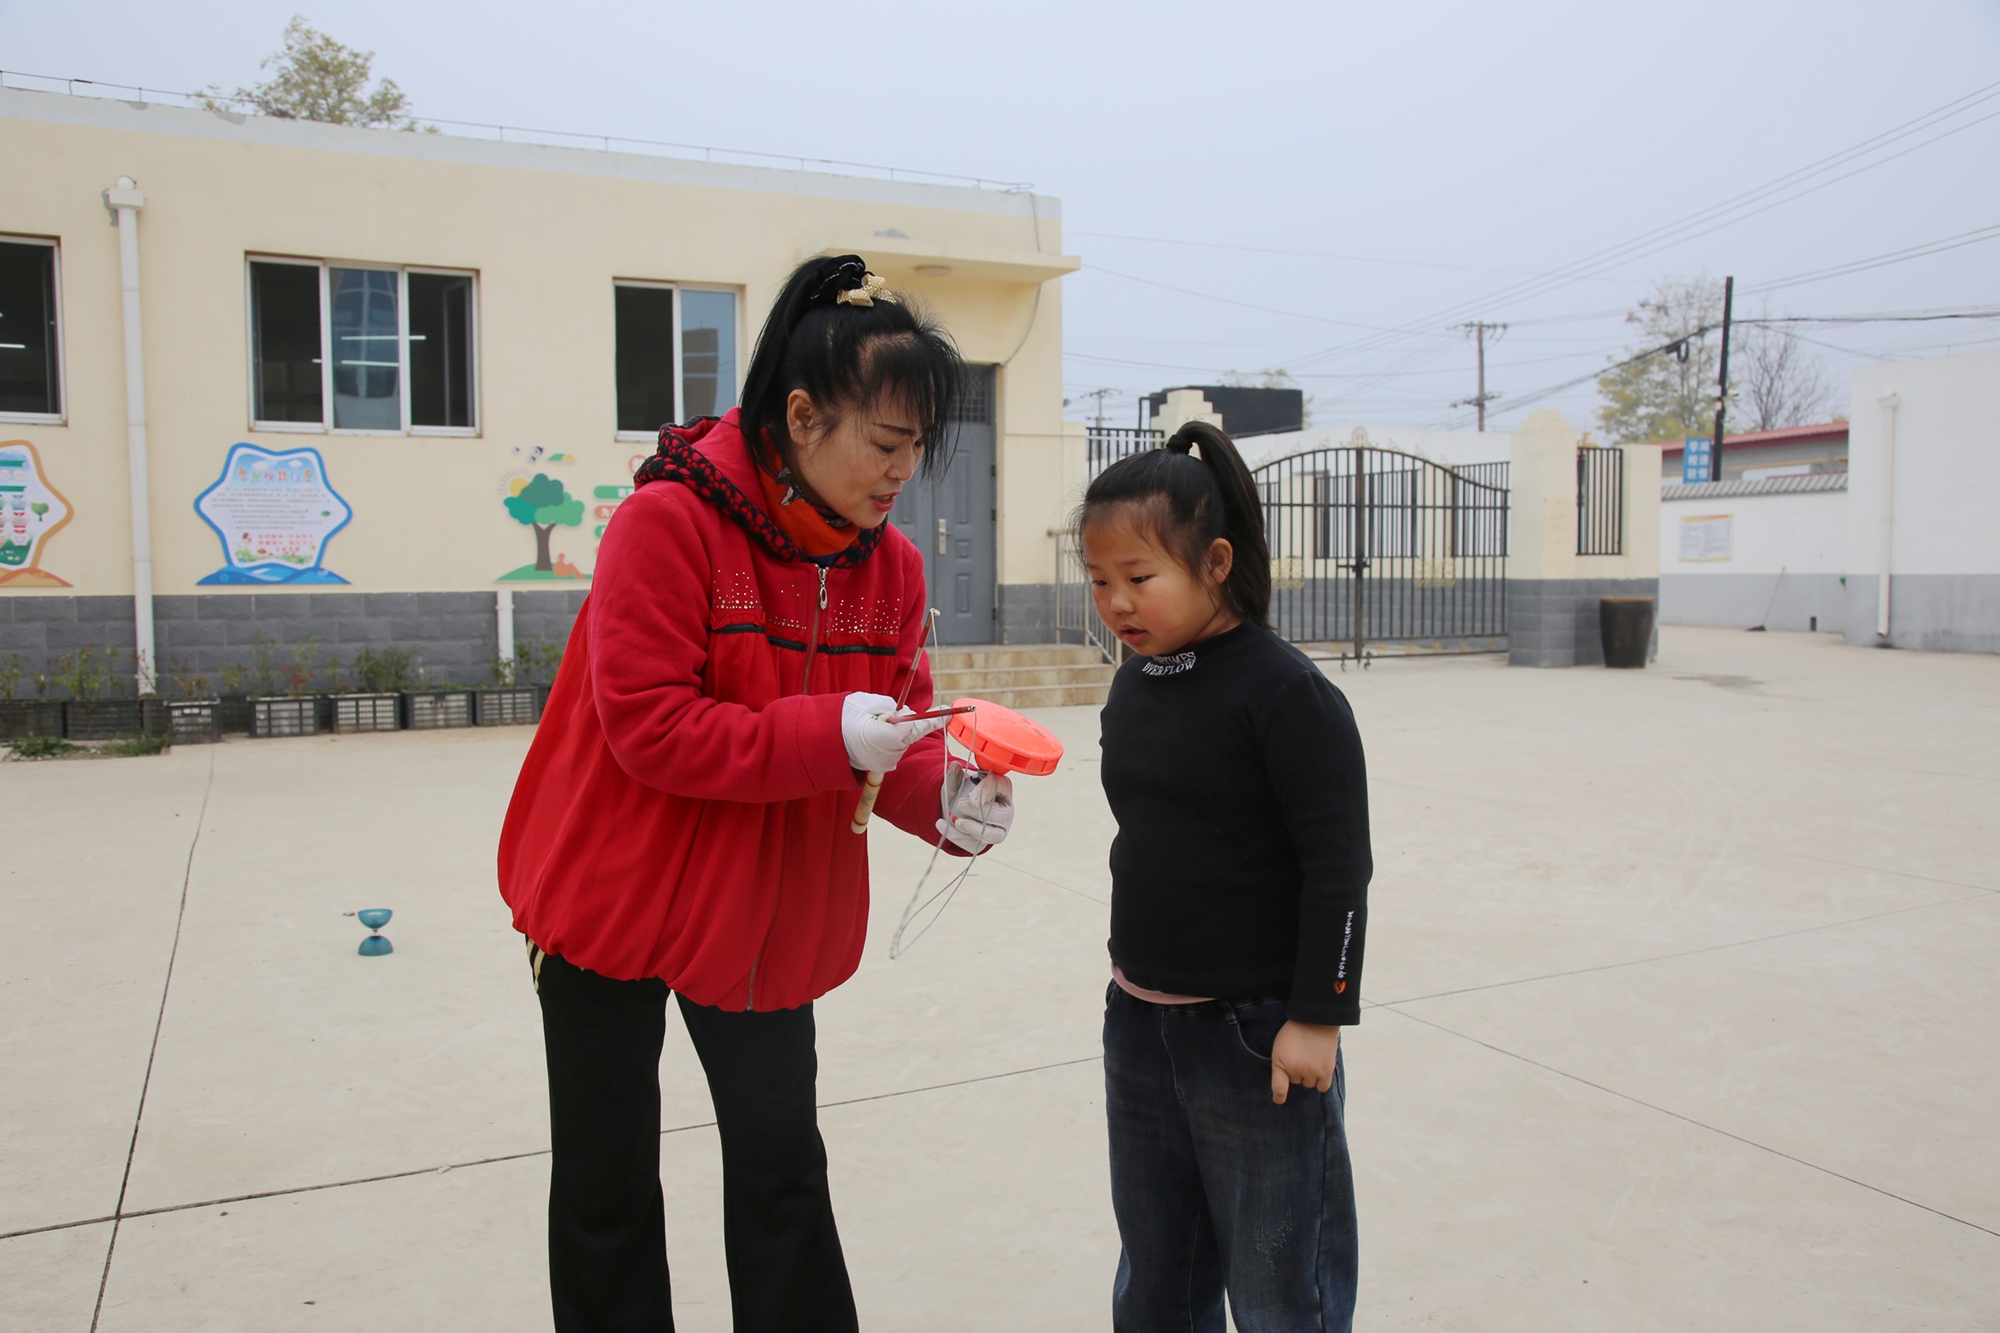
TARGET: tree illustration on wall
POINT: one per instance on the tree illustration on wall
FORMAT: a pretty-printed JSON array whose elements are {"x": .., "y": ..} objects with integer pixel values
[{"x": 544, "y": 505}]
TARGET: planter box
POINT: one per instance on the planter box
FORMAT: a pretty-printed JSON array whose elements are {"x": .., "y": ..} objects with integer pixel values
[
  {"x": 194, "y": 721},
  {"x": 516, "y": 706},
  {"x": 109, "y": 719},
  {"x": 235, "y": 714},
  {"x": 365, "y": 712},
  {"x": 437, "y": 708},
  {"x": 285, "y": 715},
  {"x": 30, "y": 717}
]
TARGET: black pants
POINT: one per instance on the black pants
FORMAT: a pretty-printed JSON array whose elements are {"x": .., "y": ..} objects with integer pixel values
[{"x": 607, "y": 1225}]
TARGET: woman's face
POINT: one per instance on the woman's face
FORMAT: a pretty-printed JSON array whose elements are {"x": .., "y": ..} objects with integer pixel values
[{"x": 854, "y": 466}]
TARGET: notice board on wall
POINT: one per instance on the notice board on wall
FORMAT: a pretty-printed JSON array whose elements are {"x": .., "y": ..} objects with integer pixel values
[{"x": 1707, "y": 537}]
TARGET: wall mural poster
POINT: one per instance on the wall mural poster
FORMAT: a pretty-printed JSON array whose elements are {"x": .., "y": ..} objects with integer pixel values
[
  {"x": 274, "y": 512},
  {"x": 30, "y": 512},
  {"x": 542, "y": 503}
]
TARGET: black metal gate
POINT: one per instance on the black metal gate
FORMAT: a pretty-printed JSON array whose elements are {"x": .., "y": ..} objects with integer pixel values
[{"x": 1373, "y": 546}]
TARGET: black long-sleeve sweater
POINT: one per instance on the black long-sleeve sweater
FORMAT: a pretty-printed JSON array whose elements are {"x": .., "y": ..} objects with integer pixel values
[{"x": 1241, "y": 865}]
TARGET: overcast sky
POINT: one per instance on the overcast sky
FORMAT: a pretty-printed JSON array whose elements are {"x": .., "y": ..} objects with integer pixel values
[{"x": 1419, "y": 158}]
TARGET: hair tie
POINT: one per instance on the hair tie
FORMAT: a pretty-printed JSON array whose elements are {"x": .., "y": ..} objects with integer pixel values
[
  {"x": 847, "y": 282},
  {"x": 864, "y": 295}
]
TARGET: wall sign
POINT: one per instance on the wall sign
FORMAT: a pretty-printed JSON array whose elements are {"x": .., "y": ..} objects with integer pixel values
[
  {"x": 30, "y": 512},
  {"x": 1707, "y": 537},
  {"x": 274, "y": 513},
  {"x": 1697, "y": 460}
]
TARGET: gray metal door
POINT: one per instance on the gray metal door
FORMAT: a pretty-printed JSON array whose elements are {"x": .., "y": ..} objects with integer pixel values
[{"x": 952, "y": 519}]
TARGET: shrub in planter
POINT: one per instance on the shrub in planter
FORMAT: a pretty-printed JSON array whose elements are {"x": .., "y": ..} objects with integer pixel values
[
  {"x": 194, "y": 721},
  {"x": 364, "y": 712},
  {"x": 509, "y": 706},
  {"x": 30, "y": 717},
  {"x": 286, "y": 715},
  {"x": 429, "y": 709},
  {"x": 109, "y": 719}
]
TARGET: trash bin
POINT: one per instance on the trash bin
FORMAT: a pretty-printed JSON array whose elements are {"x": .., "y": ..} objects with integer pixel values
[{"x": 1626, "y": 626}]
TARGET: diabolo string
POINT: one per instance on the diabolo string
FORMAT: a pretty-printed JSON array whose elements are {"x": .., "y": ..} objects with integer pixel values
[{"x": 914, "y": 908}]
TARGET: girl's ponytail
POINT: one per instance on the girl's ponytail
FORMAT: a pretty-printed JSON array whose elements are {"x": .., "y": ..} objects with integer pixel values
[
  {"x": 1191, "y": 502},
  {"x": 1248, "y": 587}
]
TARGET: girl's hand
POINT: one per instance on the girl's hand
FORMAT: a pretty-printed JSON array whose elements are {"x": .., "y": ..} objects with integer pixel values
[{"x": 1303, "y": 1053}]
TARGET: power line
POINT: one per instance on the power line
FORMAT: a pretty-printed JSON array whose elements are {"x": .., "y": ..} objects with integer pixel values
[
  {"x": 1725, "y": 213},
  {"x": 1229, "y": 300},
  {"x": 1936, "y": 247},
  {"x": 1300, "y": 254}
]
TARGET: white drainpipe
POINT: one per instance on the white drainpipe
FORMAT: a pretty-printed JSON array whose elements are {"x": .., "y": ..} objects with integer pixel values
[
  {"x": 125, "y": 200},
  {"x": 1890, "y": 402},
  {"x": 503, "y": 609}
]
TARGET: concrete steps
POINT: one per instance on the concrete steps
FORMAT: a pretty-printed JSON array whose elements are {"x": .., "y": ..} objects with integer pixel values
[{"x": 1035, "y": 675}]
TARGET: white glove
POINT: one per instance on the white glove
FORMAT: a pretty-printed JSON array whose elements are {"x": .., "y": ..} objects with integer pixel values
[
  {"x": 978, "y": 808},
  {"x": 874, "y": 743}
]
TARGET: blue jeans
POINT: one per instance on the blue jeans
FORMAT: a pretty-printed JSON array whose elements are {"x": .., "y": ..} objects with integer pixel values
[{"x": 1217, "y": 1189}]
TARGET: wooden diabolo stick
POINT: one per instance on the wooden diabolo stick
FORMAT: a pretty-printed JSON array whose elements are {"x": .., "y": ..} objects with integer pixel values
[{"x": 872, "y": 789}]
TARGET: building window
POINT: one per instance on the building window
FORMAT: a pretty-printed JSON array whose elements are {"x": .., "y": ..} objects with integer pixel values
[
  {"x": 348, "y": 348},
  {"x": 30, "y": 350},
  {"x": 675, "y": 355}
]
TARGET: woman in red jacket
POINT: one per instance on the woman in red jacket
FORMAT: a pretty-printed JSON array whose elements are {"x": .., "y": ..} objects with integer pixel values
[{"x": 682, "y": 821}]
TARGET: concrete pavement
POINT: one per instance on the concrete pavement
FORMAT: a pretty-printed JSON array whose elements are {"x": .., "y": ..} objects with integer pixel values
[{"x": 1681, "y": 988}]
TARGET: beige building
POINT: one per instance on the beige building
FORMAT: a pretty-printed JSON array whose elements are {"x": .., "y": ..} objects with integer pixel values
[{"x": 388, "y": 376}]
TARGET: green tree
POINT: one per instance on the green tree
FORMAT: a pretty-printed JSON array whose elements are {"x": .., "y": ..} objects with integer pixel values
[
  {"x": 1669, "y": 395},
  {"x": 319, "y": 79},
  {"x": 544, "y": 505}
]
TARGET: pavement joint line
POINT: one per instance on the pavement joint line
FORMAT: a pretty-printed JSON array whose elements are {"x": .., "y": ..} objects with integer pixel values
[
  {"x": 153, "y": 1050},
  {"x": 1634, "y": 826},
  {"x": 1698, "y": 1124},
  {"x": 504, "y": 1157},
  {"x": 1691, "y": 953}
]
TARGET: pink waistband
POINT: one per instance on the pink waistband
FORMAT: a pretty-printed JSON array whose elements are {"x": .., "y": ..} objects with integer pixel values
[{"x": 1152, "y": 996}]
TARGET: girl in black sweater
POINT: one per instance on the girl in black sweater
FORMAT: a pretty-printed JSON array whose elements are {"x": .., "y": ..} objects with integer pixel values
[{"x": 1239, "y": 882}]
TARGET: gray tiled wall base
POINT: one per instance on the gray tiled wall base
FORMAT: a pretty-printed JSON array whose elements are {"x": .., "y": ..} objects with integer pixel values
[
  {"x": 1553, "y": 622},
  {"x": 454, "y": 633},
  {"x": 1739, "y": 601},
  {"x": 1027, "y": 613},
  {"x": 1944, "y": 613}
]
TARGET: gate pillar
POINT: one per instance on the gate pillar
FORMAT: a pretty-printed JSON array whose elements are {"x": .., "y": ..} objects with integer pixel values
[{"x": 1552, "y": 591}]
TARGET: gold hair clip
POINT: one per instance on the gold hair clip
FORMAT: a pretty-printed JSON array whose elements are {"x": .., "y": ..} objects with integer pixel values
[{"x": 870, "y": 288}]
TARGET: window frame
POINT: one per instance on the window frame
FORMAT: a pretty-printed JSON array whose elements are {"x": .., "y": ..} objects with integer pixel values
[
  {"x": 679, "y": 353},
  {"x": 61, "y": 417},
  {"x": 325, "y": 424}
]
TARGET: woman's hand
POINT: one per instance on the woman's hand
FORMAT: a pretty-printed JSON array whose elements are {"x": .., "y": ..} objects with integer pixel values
[
  {"x": 1303, "y": 1053},
  {"x": 978, "y": 807},
  {"x": 874, "y": 743}
]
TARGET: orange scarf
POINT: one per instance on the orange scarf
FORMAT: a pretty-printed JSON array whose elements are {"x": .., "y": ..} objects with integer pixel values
[{"x": 809, "y": 531}]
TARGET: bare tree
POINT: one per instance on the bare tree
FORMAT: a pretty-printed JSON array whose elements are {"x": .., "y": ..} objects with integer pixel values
[
  {"x": 1780, "y": 383},
  {"x": 319, "y": 79}
]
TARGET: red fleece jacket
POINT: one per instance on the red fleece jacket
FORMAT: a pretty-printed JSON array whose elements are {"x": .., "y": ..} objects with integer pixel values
[{"x": 684, "y": 810}]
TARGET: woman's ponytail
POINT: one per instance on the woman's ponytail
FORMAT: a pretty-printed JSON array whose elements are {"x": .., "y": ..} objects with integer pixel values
[
  {"x": 1190, "y": 502},
  {"x": 1248, "y": 587}
]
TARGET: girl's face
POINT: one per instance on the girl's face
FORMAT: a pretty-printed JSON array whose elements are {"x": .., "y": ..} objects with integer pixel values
[
  {"x": 857, "y": 465},
  {"x": 1147, "y": 597}
]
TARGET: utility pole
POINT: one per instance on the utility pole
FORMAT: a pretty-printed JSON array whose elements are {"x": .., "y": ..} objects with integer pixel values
[
  {"x": 1100, "y": 395},
  {"x": 1722, "y": 397},
  {"x": 1479, "y": 329}
]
